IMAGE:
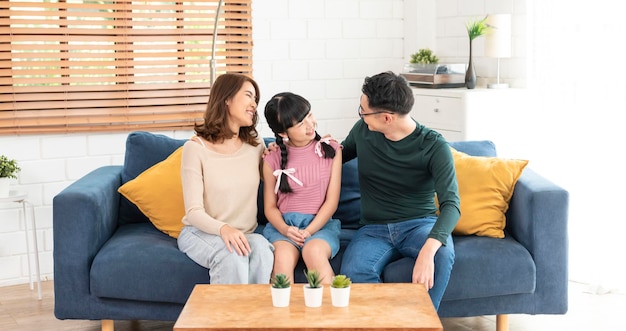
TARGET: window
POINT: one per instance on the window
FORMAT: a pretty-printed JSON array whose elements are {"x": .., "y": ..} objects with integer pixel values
[{"x": 115, "y": 65}]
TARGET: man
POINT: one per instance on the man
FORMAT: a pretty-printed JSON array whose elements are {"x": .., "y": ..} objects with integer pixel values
[{"x": 402, "y": 164}]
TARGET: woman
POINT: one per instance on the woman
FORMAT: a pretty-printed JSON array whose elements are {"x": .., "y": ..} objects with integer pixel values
[
  {"x": 301, "y": 191},
  {"x": 220, "y": 176}
]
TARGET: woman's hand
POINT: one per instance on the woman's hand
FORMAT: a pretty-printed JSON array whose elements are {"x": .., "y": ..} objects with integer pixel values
[{"x": 235, "y": 239}]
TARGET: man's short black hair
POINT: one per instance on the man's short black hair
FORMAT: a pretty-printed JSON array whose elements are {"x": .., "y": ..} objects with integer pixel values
[{"x": 388, "y": 91}]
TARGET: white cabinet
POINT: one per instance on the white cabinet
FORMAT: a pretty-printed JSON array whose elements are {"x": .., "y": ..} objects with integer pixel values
[
  {"x": 443, "y": 111},
  {"x": 476, "y": 114}
]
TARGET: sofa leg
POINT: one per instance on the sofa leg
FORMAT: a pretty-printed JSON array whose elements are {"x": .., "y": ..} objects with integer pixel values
[
  {"x": 108, "y": 325},
  {"x": 502, "y": 322}
]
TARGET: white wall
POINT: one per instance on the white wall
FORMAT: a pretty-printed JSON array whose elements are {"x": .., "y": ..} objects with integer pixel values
[
  {"x": 580, "y": 78},
  {"x": 320, "y": 49},
  {"x": 324, "y": 49}
]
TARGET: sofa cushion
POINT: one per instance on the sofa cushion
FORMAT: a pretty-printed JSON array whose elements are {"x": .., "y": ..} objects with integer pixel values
[
  {"x": 158, "y": 193},
  {"x": 141, "y": 263},
  {"x": 483, "y": 267},
  {"x": 475, "y": 148},
  {"x": 485, "y": 187},
  {"x": 349, "y": 209},
  {"x": 143, "y": 150}
]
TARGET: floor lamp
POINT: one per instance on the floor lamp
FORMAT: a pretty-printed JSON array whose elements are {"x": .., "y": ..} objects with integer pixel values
[
  {"x": 498, "y": 42},
  {"x": 213, "y": 46}
]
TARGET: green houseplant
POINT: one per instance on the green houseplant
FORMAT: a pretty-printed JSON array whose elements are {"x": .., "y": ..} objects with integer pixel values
[
  {"x": 340, "y": 291},
  {"x": 424, "y": 56},
  {"x": 8, "y": 170},
  {"x": 281, "y": 290},
  {"x": 423, "y": 61},
  {"x": 313, "y": 290},
  {"x": 475, "y": 28},
  {"x": 313, "y": 278},
  {"x": 8, "y": 167},
  {"x": 281, "y": 281},
  {"x": 340, "y": 281}
]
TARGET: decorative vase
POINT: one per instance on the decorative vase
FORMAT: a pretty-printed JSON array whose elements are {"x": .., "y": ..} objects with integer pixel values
[
  {"x": 340, "y": 297},
  {"x": 281, "y": 296},
  {"x": 470, "y": 74},
  {"x": 313, "y": 296},
  {"x": 4, "y": 186}
]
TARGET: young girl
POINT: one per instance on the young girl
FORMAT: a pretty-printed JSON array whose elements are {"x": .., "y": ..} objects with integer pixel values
[{"x": 301, "y": 190}]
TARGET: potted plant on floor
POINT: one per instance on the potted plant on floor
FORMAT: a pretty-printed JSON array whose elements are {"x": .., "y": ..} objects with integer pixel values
[
  {"x": 281, "y": 290},
  {"x": 313, "y": 290},
  {"x": 340, "y": 291},
  {"x": 8, "y": 170}
]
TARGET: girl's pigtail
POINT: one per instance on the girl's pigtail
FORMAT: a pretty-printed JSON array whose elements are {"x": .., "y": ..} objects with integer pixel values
[
  {"x": 327, "y": 149},
  {"x": 284, "y": 183}
]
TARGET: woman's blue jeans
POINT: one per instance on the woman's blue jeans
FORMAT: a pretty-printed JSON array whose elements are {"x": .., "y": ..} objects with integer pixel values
[{"x": 376, "y": 245}]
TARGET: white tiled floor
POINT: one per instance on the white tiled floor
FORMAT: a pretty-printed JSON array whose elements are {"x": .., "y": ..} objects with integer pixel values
[{"x": 586, "y": 311}]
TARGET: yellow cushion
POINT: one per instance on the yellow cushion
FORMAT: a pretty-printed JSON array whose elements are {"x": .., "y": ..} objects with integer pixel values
[
  {"x": 158, "y": 193},
  {"x": 485, "y": 187}
]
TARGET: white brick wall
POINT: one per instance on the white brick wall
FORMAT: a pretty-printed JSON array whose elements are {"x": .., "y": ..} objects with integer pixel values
[
  {"x": 320, "y": 49},
  {"x": 323, "y": 49}
]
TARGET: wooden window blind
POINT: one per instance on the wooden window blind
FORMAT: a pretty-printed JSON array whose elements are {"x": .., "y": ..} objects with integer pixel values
[{"x": 115, "y": 65}]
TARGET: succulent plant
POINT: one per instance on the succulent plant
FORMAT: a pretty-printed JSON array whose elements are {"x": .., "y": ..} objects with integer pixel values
[
  {"x": 281, "y": 281},
  {"x": 313, "y": 277},
  {"x": 340, "y": 281}
]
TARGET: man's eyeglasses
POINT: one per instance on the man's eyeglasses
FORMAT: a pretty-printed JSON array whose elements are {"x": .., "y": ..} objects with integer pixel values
[{"x": 361, "y": 114}]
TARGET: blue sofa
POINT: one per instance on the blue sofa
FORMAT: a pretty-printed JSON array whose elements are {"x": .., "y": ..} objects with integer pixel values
[{"x": 111, "y": 263}]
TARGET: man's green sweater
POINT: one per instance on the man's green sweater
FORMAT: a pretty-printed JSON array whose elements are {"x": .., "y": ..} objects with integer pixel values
[{"x": 398, "y": 179}]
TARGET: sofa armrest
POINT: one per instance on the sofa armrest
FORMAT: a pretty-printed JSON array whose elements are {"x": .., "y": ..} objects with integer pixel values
[
  {"x": 85, "y": 216},
  {"x": 537, "y": 218}
]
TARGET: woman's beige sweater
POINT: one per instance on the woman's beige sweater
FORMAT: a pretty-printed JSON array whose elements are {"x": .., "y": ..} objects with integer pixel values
[{"x": 219, "y": 188}]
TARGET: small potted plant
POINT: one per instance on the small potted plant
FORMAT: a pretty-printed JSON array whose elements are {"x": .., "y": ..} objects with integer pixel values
[
  {"x": 424, "y": 56},
  {"x": 313, "y": 290},
  {"x": 424, "y": 61},
  {"x": 340, "y": 291},
  {"x": 281, "y": 290},
  {"x": 8, "y": 170}
]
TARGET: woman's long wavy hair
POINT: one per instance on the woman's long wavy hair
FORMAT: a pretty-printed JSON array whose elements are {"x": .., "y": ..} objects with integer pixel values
[
  {"x": 215, "y": 126},
  {"x": 283, "y": 111}
]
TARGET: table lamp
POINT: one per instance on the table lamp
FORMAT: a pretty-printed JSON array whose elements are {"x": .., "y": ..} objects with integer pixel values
[{"x": 498, "y": 42}]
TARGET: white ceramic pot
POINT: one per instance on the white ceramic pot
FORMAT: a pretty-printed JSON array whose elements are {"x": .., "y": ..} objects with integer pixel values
[
  {"x": 340, "y": 297},
  {"x": 313, "y": 296},
  {"x": 4, "y": 186},
  {"x": 281, "y": 296}
]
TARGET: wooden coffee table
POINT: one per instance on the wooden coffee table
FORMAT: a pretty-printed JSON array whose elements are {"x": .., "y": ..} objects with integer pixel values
[{"x": 249, "y": 307}]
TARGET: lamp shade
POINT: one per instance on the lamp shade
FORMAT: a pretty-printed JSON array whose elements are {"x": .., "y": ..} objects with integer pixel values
[{"x": 498, "y": 40}]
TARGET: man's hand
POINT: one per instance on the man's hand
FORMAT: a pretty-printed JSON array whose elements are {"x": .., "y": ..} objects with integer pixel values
[
  {"x": 271, "y": 147},
  {"x": 424, "y": 269}
]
